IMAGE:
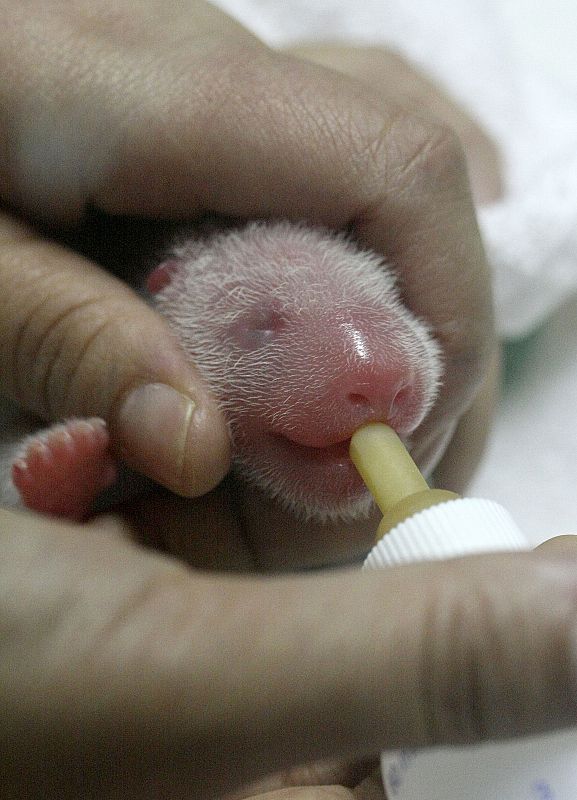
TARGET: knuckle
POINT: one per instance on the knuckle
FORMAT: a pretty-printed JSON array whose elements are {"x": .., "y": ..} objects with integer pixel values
[
  {"x": 462, "y": 654},
  {"x": 432, "y": 152},
  {"x": 405, "y": 146},
  {"x": 496, "y": 663}
]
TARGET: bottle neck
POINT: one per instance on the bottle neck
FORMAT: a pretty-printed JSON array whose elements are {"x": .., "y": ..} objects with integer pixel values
[{"x": 457, "y": 527}]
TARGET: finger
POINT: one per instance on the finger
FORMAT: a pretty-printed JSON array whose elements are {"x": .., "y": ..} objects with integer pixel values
[
  {"x": 396, "y": 79},
  {"x": 560, "y": 545},
  {"x": 74, "y": 341},
  {"x": 124, "y": 673},
  {"x": 325, "y": 774}
]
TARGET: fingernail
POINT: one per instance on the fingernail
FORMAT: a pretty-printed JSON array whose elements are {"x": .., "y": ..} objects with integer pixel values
[{"x": 153, "y": 427}]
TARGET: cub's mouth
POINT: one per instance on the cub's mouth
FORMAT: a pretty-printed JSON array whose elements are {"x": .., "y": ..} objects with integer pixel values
[{"x": 336, "y": 451}]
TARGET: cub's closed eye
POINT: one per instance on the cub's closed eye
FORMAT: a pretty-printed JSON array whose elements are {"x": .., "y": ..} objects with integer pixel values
[{"x": 259, "y": 326}]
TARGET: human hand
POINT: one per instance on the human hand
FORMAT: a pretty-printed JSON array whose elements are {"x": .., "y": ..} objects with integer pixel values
[
  {"x": 124, "y": 673},
  {"x": 388, "y": 73},
  {"x": 171, "y": 112},
  {"x": 121, "y": 129}
]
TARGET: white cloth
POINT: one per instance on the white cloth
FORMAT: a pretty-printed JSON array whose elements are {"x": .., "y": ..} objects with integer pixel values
[{"x": 513, "y": 63}]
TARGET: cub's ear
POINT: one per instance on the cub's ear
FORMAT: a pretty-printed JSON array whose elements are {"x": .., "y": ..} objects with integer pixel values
[
  {"x": 162, "y": 275},
  {"x": 185, "y": 251}
]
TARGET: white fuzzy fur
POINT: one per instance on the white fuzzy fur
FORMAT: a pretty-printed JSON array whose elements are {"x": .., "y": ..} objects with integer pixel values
[{"x": 223, "y": 278}]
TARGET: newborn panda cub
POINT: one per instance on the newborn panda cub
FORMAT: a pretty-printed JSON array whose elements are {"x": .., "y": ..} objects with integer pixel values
[{"x": 302, "y": 337}]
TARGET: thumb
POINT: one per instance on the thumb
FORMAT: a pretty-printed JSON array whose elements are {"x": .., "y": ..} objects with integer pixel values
[
  {"x": 127, "y": 675},
  {"x": 74, "y": 341}
]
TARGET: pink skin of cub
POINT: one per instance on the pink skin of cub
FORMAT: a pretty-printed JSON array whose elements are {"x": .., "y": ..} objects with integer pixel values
[
  {"x": 60, "y": 471},
  {"x": 303, "y": 338}
]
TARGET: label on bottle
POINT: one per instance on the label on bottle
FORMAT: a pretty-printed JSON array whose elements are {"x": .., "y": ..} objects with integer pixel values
[{"x": 535, "y": 768}]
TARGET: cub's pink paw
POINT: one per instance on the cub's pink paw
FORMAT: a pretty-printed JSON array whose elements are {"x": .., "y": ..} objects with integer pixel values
[{"x": 61, "y": 470}]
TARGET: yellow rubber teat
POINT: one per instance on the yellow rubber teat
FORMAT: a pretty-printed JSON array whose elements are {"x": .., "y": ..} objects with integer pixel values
[{"x": 391, "y": 475}]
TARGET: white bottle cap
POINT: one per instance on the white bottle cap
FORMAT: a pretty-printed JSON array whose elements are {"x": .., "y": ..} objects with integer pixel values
[{"x": 455, "y": 528}]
